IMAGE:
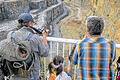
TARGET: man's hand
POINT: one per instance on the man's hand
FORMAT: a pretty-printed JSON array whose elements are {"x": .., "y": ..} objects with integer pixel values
[
  {"x": 86, "y": 36},
  {"x": 44, "y": 34}
]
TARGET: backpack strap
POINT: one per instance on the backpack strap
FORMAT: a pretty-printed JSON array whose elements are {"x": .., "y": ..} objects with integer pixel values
[
  {"x": 29, "y": 36},
  {"x": 13, "y": 37}
]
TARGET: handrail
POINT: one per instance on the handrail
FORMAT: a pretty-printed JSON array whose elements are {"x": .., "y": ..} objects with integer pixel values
[
  {"x": 64, "y": 40},
  {"x": 117, "y": 45},
  {"x": 56, "y": 47}
]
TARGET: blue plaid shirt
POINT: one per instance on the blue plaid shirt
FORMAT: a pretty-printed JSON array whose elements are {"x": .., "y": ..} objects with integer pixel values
[{"x": 94, "y": 57}]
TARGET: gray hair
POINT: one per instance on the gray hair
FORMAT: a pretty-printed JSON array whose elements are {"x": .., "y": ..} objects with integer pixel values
[{"x": 94, "y": 25}]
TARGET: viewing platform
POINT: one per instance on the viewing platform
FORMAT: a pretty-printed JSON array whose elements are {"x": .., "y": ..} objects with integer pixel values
[{"x": 65, "y": 30}]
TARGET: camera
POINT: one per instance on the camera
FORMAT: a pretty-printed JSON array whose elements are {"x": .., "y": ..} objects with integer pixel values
[{"x": 39, "y": 30}]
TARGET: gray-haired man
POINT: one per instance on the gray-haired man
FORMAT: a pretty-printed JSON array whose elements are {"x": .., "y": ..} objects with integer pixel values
[{"x": 95, "y": 54}]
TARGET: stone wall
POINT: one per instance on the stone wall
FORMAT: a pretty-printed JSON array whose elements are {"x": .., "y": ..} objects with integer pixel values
[
  {"x": 38, "y": 4},
  {"x": 42, "y": 4},
  {"x": 51, "y": 2},
  {"x": 42, "y": 18},
  {"x": 1, "y": 11},
  {"x": 54, "y": 13},
  {"x": 11, "y": 9},
  {"x": 57, "y": 11},
  {"x": 49, "y": 15}
]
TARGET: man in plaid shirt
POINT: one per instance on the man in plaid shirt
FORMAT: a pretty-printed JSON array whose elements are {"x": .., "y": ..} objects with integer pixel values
[{"x": 94, "y": 55}]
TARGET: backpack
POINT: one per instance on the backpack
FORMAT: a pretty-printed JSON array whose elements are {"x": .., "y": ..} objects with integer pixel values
[{"x": 9, "y": 48}]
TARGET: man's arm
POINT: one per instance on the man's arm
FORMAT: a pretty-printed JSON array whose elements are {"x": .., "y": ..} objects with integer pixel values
[
  {"x": 73, "y": 55},
  {"x": 73, "y": 59},
  {"x": 113, "y": 45},
  {"x": 44, "y": 34},
  {"x": 38, "y": 46}
]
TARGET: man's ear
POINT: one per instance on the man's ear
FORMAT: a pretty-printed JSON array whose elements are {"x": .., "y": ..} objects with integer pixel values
[
  {"x": 30, "y": 24},
  {"x": 87, "y": 33},
  {"x": 87, "y": 30}
]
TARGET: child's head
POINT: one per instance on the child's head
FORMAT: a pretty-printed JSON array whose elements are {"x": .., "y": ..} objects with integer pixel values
[
  {"x": 58, "y": 64},
  {"x": 50, "y": 67}
]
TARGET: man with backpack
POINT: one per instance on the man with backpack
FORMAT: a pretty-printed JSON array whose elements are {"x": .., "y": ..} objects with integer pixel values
[{"x": 29, "y": 45}]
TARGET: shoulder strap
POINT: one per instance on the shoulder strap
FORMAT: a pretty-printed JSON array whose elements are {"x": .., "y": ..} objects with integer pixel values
[
  {"x": 13, "y": 37},
  {"x": 29, "y": 36}
]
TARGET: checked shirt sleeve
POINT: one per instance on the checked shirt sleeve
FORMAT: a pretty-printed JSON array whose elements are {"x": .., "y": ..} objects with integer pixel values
[
  {"x": 74, "y": 55},
  {"x": 113, "y": 53}
]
